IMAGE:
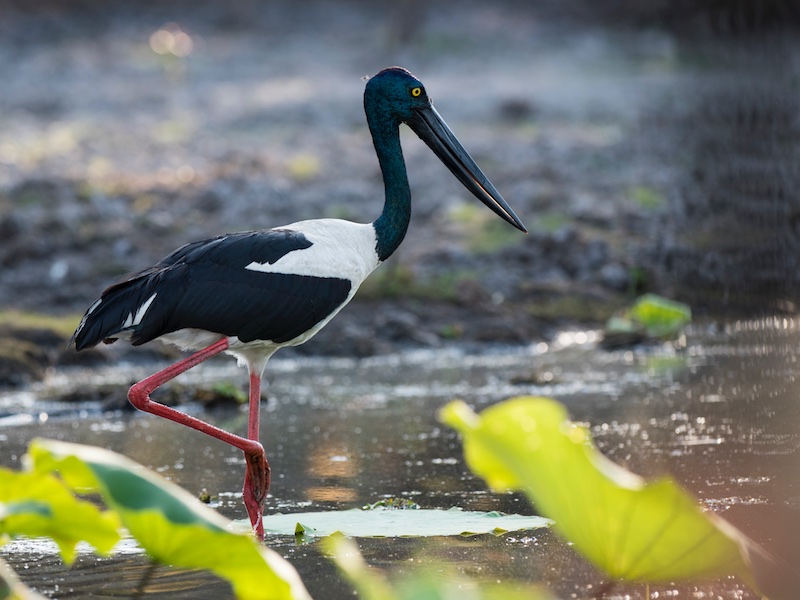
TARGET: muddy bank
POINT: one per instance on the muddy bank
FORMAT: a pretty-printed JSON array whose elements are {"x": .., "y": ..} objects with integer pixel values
[{"x": 642, "y": 158}]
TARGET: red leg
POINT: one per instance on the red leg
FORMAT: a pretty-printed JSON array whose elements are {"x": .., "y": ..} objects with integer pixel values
[
  {"x": 255, "y": 404},
  {"x": 257, "y": 477},
  {"x": 255, "y": 458}
]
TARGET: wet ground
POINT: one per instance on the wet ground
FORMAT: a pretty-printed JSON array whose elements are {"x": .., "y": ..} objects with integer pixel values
[{"x": 719, "y": 413}]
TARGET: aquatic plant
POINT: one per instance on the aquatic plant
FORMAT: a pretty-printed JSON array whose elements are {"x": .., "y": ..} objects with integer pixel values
[
  {"x": 174, "y": 528},
  {"x": 631, "y": 529},
  {"x": 171, "y": 525}
]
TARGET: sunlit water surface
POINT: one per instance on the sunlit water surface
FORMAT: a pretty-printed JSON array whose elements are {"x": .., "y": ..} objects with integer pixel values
[{"x": 719, "y": 412}]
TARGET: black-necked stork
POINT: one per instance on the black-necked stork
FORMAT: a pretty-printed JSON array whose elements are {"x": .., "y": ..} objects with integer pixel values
[{"x": 251, "y": 293}]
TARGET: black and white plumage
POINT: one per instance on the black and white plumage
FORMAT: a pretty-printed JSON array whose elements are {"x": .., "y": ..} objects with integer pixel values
[
  {"x": 251, "y": 293},
  {"x": 267, "y": 289}
]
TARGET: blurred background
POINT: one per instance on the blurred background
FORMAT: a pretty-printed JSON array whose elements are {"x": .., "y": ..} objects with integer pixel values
[{"x": 648, "y": 145}]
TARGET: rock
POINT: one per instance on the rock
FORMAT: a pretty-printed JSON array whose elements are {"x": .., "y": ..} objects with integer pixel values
[{"x": 21, "y": 362}]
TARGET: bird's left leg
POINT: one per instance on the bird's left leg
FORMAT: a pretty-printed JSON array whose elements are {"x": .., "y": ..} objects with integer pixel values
[{"x": 255, "y": 458}]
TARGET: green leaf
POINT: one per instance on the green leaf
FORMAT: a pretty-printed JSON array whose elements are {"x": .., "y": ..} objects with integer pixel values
[
  {"x": 650, "y": 315},
  {"x": 435, "y": 583},
  {"x": 370, "y": 583},
  {"x": 631, "y": 529},
  {"x": 660, "y": 316},
  {"x": 172, "y": 526},
  {"x": 38, "y": 504},
  {"x": 386, "y": 522}
]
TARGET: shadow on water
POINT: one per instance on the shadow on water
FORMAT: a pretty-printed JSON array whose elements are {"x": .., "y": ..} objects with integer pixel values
[{"x": 720, "y": 414}]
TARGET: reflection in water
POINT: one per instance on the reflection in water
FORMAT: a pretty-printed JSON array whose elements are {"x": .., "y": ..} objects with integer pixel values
[
  {"x": 720, "y": 414},
  {"x": 331, "y": 462}
]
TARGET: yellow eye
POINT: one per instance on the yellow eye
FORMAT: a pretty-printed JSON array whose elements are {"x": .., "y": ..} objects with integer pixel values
[{"x": 416, "y": 92}]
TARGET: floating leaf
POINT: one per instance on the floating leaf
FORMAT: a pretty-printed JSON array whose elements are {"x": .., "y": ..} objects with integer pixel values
[
  {"x": 38, "y": 504},
  {"x": 172, "y": 526},
  {"x": 631, "y": 529},
  {"x": 386, "y": 522}
]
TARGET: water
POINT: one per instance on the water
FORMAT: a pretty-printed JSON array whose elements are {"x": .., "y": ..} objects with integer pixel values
[{"x": 718, "y": 411}]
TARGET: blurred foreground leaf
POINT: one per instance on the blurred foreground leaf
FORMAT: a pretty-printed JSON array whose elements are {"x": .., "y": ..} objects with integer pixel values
[
  {"x": 432, "y": 584},
  {"x": 38, "y": 505},
  {"x": 630, "y": 529},
  {"x": 171, "y": 525}
]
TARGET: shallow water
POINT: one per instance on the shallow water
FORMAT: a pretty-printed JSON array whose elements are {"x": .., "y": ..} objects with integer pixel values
[{"x": 719, "y": 412}]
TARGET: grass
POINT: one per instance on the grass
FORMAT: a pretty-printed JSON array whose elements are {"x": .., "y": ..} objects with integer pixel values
[
  {"x": 550, "y": 222},
  {"x": 62, "y": 325},
  {"x": 647, "y": 197},
  {"x": 399, "y": 281},
  {"x": 573, "y": 307},
  {"x": 25, "y": 359},
  {"x": 482, "y": 231}
]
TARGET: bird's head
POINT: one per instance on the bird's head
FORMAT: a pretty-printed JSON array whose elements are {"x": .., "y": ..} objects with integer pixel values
[
  {"x": 395, "y": 96},
  {"x": 396, "y": 92}
]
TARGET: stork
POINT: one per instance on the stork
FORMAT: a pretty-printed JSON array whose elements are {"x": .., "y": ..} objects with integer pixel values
[{"x": 250, "y": 293}]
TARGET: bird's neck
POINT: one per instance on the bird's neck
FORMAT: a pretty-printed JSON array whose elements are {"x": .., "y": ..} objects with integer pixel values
[{"x": 392, "y": 224}]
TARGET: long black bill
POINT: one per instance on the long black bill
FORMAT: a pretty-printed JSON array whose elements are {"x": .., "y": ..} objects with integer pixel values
[{"x": 432, "y": 130}]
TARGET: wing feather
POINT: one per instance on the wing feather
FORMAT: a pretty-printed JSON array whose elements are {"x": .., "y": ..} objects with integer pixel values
[{"x": 204, "y": 285}]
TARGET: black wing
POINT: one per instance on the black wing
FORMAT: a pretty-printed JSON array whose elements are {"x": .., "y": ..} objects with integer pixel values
[{"x": 204, "y": 285}]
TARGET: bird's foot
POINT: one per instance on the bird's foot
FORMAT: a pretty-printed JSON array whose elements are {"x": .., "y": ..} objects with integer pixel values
[{"x": 256, "y": 488}]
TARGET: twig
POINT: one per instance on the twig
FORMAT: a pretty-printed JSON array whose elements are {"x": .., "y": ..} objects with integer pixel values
[
  {"x": 145, "y": 581},
  {"x": 603, "y": 589}
]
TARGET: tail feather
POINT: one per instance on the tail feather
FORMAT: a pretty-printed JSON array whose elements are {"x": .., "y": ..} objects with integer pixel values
[{"x": 117, "y": 313}]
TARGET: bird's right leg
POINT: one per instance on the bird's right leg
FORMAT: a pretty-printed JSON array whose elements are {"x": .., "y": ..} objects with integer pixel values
[
  {"x": 139, "y": 396},
  {"x": 257, "y": 475}
]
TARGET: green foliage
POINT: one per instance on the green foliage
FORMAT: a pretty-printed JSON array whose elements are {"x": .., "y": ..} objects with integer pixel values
[
  {"x": 647, "y": 197},
  {"x": 550, "y": 222},
  {"x": 303, "y": 167},
  {"x": 170, "y": 524},
  {"x": 62, "y": 326},
  {"x": 481, "y": 231},
  {"x": 393, "y": 503},
  {"x": 226, "y": 390},
  {"x": 379, "y": 521},
  {"x": 372, "y": 584},
  {"x": 660, "y": 316},
  {"x": 34, "y": 505},
  {"x": 572, "y": 305},
  {"x": 400, "y": 281},
  {"x": 632, "y": 530},
  {"x": 654, "y": 315}
]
